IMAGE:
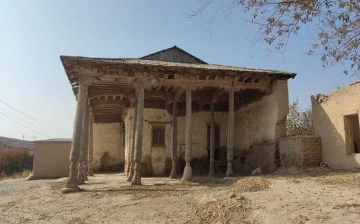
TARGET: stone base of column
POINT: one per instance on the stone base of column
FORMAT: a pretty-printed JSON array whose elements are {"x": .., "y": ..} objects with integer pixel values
[
  {"x": 173, "y": 174},
  {"x": 67, "y": 190},
  {"x": 131, "y": 173},
  {"x": 229, "y": 170},
  {"x": 187, "y": 172},
  {"x": 136, "y": 180}
]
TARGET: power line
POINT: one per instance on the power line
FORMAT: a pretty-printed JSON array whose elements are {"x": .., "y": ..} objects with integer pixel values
[
  {"x": 32, "y": 125},
  {"x": 33, "y": 119},
  {"x": 24, "y": 125}
]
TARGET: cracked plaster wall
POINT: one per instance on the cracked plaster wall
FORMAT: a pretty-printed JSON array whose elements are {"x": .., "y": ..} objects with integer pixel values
[
  {"x": 258, "y": 127},
  {"x": 108, "y": 149},
  {"x": 328, "y": 120}
]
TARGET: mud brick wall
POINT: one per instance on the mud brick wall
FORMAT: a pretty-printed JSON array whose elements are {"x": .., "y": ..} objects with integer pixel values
[{"x": 300, "y": 151}]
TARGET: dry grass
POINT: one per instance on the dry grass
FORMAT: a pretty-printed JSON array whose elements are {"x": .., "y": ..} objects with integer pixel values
[
  {"x": 335, "y": 179},
  {"x": 136, "y": 191},
  {"x": 251, "y": 184},
  {"x": 152, "y": 191},
  {"x": 231, "y": 210},
  {"x": 23, "y": 174},
  {"x": 346, "y": 205}
]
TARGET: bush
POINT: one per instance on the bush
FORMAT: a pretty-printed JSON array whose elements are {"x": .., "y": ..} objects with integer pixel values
[
  {"x": 299, "y": 120},
  {"x": 15, "y": 161}
]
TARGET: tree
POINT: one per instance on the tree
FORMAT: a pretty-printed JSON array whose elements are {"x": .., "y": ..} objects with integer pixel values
[
  {"x": 299, "y": 120},
  {"x": 337, "y": 21}
]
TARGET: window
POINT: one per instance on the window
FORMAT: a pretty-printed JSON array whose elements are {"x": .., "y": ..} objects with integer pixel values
[
  {"x": 352, "y": 133},
  {"x": 158, "y": 135}
]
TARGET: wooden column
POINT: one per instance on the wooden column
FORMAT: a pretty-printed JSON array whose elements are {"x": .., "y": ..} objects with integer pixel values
[
  {"x": 86, "y": 151},
  {"x": 84, "y": 142},
  {"x": 136, "y": 180},
  {"x": 90, "y": 170},
  {"x": 72, "y": 181},
  {"x": 130, "y": 135},
  {"x": 187, "y": 170},
  {"x": 230, "y": 147},
  {"x": 174, "y": 156},
  {"x": 212, "y": 141},
  {"x": 132, "y": 145}
]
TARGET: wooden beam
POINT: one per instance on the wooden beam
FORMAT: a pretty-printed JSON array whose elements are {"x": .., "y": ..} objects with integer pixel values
[
  {"x": 100, "y": 102},
  {"x": 217, "y": 83},
  {"x": 111, "y": 90},
  {"x": 216, "y": 95}
]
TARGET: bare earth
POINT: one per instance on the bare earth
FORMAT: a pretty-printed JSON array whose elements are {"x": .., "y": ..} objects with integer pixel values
[{"x": 318, "y": 196}]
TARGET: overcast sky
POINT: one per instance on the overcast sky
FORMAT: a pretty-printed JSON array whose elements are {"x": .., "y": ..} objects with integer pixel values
[{"x": 36, "y": 100}]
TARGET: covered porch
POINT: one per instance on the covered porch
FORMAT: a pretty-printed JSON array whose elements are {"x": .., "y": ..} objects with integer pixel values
[{"x": 124, "y": 90}]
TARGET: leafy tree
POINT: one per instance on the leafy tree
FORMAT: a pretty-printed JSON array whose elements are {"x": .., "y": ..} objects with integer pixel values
[
  {"x": 299, "y": 120},
  {"x": 337, "y": 21}
]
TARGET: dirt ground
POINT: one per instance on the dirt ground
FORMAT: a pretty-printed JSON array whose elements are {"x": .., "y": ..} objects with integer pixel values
[{"x": 288, "y": 196}]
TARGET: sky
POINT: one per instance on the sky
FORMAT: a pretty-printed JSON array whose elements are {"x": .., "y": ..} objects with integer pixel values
[{"x": 36, "y": 100}]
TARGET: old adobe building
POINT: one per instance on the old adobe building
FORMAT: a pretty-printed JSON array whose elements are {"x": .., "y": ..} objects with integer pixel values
[
  {"x": 153, "y": 112},
  {"x": 336, "y": 121}
]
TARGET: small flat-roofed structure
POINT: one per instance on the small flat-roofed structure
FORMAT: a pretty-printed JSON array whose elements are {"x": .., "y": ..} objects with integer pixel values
[{"x": 51, "y": 158}]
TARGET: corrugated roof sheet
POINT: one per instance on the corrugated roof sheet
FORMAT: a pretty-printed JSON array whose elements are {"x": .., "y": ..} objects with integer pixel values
[{"x": 178, "y": 49}]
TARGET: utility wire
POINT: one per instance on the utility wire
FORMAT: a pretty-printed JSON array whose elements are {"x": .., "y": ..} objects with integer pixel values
[
  {"x": 32, "y": 118},
  {"x": 24, "y": 125},
  {"x": 26, "y": 122}
]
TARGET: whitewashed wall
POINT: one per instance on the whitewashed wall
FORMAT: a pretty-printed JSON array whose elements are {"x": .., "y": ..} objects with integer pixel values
[{"x": 108, "y": 149}]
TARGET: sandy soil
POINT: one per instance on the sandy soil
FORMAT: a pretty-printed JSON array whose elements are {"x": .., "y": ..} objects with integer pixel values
[{"x": 284, "y": 197}]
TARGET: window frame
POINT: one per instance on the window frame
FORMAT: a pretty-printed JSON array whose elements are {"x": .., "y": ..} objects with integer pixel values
[
  {"x": 351, "y": 128},
  {"x": 160, "y": 139}
]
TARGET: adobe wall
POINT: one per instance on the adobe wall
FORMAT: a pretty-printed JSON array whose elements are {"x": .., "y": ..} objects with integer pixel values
[
  {"x": 155, "y": 160},
  {"x": 328, "y": 120},
  {"x": 51, "y": 159},
  {"x": 258, "y": 127},
  {"x": 108, "y": 149},
  {"x": 300, "y": 151}
]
